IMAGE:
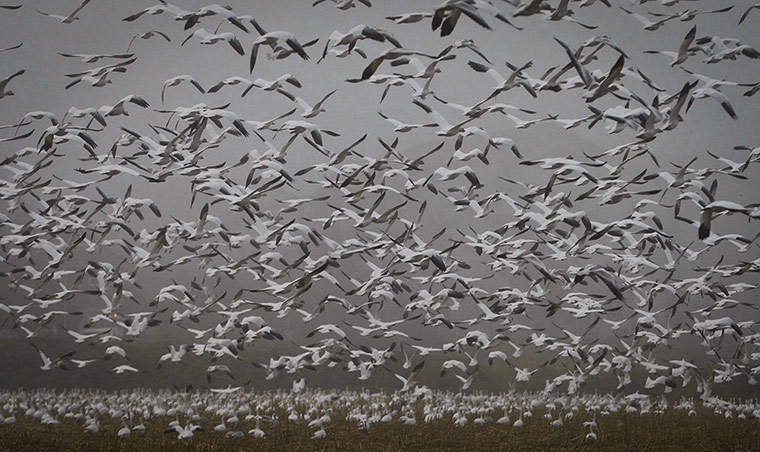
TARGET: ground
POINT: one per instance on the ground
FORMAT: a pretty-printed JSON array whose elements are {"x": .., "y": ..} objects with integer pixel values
[{"x": 671, "y": 431}]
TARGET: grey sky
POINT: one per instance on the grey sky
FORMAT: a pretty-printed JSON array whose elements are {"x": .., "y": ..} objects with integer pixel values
[{"x": 352, "y": 111}]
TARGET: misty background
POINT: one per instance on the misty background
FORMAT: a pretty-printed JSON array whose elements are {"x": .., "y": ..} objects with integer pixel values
[{"x": 353, "y": 112}]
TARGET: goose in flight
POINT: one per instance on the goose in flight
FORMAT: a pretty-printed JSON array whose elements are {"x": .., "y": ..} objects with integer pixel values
[
  {"x": 219, "y": 368},
  {"x": 356, "y": 34},
  {"x": 465, "y": 44},
  {"x": 98, "y": 71},
  {"x": 230, "y": 81},
  {"x": 342, "y": 53},
  {"x": 447, "y": 14},
  {"x": 328, "y": 328},
  {"x": 260, "y": 125},
  {"x": 402, "y": 127},
  {"x": 71, "y": 17},
  {"x": 690, "y": 14},
  {"x": 98, "y": 81},
  {"x": 648, "y": 24},
  {"x": 148, "y": 35},
  {"x": 446, "y": 174},
  {"x": 217, "y": 114},
  {"x": 82, "y": 362},
  {"x": 344, "y": 4},
  {"x": 4, "y": 83},
  {"x": 114, "y": 350},
  {"x": 193, "y": 18},
  {"x": 423, "y": 72},
  {"x": 716, "y": 208},
  {"x": 712, "y": 82},
  {"x": 747, "y": 11},
  {"x": 80, "y": 338},
  {"x": 174, "y": 355},
  {"x": 158, "y": 9},
  {"x": 280, "y": 52},
  {"x": 93, "y": 58},
  {"x": 478, "y": 110},
  {"x": 603, "y": 40},
  {"x": 410, "y": 18},
  {"x": 606, "y": 85},
  {"x": 297, "y": 127},
  {"x": 118, "y": 370},
  {"x": 531, "y": 8},
  {"x": 119, "y": 108},
  {"x": 683, "y": 49},
  {"x": 275, "y": 85},
  {"x": 98, "y": 77},
  {"x": 720, "y": 97},
  {"x": 95, "y": 114},
  {"x": 48, "y": 364},
  {"x": 445, "y": 128},
  {"x": 504, "y": 84},
  {"x": 174, "y": 81},
  {"x": 390, "y": 54},
  {"x": 563, "y": 13},
  {"x": 274, "y": 38},
  {"x": 310, "y": 111},
  {"x": 38, "y": 115},
  {"x": 12, "y": 47},
  {"x": 730, "y": 53},
  {"x": 586, "y": 77},
  {"x": 211, "y": 38}
]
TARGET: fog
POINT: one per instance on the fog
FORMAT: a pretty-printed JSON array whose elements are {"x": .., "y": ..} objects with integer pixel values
[{"x": 521, "y": 261}]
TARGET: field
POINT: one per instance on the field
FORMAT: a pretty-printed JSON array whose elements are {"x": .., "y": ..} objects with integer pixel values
[{"x": 672, "y": 430}]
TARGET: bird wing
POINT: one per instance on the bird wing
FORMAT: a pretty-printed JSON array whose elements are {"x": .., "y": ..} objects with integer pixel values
[
  {"x": 582, "y": 71},
  {"x": 79, "y": 8},
  {"x": 684, "y": 47}
]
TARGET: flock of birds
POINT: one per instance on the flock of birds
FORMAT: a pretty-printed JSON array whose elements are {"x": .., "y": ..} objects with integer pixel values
[
  {"x": 239, "y": 414},
  {"x": 604, "y": 289}
]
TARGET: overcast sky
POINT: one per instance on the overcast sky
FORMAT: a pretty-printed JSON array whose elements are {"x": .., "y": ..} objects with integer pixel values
[{"x": 352, "y": 111}]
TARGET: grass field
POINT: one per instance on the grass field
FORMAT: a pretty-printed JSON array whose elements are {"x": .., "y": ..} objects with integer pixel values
[{"x": 671, "y": 431}]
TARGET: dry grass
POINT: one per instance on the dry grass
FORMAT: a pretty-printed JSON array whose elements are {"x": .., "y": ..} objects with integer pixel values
[{"x": 673, "y": 431}]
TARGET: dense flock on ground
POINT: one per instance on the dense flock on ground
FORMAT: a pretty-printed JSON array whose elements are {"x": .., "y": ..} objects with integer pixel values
[
  {"x": 236, "y": 414},
  {"x": 435, "y": 238}
]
